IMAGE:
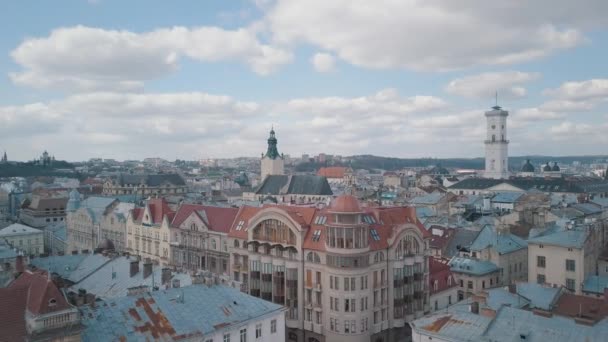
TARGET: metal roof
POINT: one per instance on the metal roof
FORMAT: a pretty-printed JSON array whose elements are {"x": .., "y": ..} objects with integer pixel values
[
  {"x": 71, "y": 267},
  {"x": 18, "y": 229},
  {"x": 595, "y": 284},
  {"x": 192, "y": 312},
  {"x": 503, "y": 243},
  {"x": 506, "y": 197},
  {"x": 472, "y": 266},
  {"x": 560, "y": 236}
]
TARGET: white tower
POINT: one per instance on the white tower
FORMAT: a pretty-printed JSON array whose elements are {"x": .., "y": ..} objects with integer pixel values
[
  {"x": 497, "y": 145},
  {"x": 272, "y": 161}
]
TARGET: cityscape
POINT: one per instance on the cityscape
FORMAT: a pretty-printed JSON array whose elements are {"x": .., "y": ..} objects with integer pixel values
[{"x": 304, "y": 172}]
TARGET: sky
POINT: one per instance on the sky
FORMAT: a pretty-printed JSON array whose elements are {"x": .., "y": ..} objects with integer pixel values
[{"x": 208, "y": 79}]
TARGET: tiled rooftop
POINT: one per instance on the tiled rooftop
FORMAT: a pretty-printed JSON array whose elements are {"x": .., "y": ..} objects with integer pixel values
[
  {"x": 472, "y": 266},
  {"x": 170, "y": 315},
  {"x": 503, "y": 243}
]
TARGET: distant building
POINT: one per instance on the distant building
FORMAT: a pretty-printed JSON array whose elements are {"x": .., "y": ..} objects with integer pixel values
[
  {"x": 145, "y": 185},
  {"x": 272, "y": 161},
  {"x": 297, "y": 189},
  {"x": 562, "y": 185},
  {"x": 148, "y": 231},
  {"x": 338, "y": 175},
  {"x": 194, "y": 313},
  {"x": 496, "y": 143},
  {"x": 27, "y": 239},
  {"x": 444, "y": 288},
  {"x": 43, "y": 210},
  {"x": 474, "y": 275}
]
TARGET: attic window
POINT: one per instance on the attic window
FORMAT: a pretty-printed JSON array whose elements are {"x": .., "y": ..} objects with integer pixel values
[
  {"x": 375, "y": 235},
  {"x": 147, "y": 217},
  {"x": 369, "y": 219},
  {"x": 316, "y": 235},
  {"x": 52, "y": 302},
  {"x": 240, "y": 225},
  {"x": 320, "y": 219}
]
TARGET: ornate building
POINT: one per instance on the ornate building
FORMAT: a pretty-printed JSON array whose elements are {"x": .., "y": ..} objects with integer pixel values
[
  {"x": 272, "y": 161},
  {"x": 345, "y": 273},
  {"x": 199, "y": 237},
  {"x": 148, "y": 231},
  {"x": 145, "y": 185},
  {"x": 497, "y": 145}
]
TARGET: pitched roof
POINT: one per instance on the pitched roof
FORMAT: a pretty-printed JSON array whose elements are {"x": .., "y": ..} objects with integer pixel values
[
  {"x": 573, "y": 185},
  {"x": 154, "y": 180},
  {"x": 332, "y": 172},
  {"x": 193, "y": 312},
  {"x": 18, "y": 229},
  {"x": 296, "y": 185},
  {"x": 41, "y": 293},
  {"x": 50, "y": 203},
  {"x": 503, "y": 243},
  {"x": 219, "y": 219},
  {"x": 560, "y": 236},
  {"x": 440, "y": 272},
  {"x": 472, "y": 266},
  {"x": 13, "y": 302}
]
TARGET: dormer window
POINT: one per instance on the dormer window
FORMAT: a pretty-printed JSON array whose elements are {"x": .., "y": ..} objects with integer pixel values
[{"x": 52, "y": 302}]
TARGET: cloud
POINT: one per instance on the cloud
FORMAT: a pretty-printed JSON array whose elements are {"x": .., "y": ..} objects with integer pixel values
[
  {"x": 434, "y": 35},
  {"x": 87, "y": 58},
  {"x": 323, "y": 62},
  {"x": 536, "y": 114},
  {"x": 581, "y": 90},
  {"x": 483, "y": 86}
]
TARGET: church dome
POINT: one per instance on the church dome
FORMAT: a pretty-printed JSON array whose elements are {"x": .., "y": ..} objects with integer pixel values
[
  {"x": 106, "y": 245},
  {"x": 547, "y": 168},
  {"x": 555, "y": 168},
  {"x": 528, "y": 167},
  {"x": 345, "y": 204}
]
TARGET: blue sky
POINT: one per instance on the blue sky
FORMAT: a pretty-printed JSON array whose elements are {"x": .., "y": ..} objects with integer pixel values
[{"x": 198, "y": 79}]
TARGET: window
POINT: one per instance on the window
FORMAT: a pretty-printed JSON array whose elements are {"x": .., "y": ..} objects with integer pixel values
[
  {"x": 258, "y": 331},
  {"x": 244, "y": 335},
  {"x": 273, "y": 326},
  {"x": 540, "y": 278},
  {"x": 227, "y": 337},
  {"x": 540, "y": 261},
  {"x": 461, "y": 283},
  {"x": 570, "y": 265},
  {"x": 570, "y": 284},
  {"x": 470, "y": 284},
  {"x": 450, "y": 300},
  {"x": 316, "y": 235}
]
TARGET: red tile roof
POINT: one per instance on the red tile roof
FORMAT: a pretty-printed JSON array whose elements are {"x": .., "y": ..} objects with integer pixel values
[
  {"x": 218, "y": 219},
  {"x": 572, "y": 305},
  {"x": 440, "y": 272},
  {"x": 245, "y": 214},
  {"x": 41, "y": 291},
  {"x": 332, "y": 172},
  {"x": 13, "y": 301},
  {"x": 345, "y": 204}
]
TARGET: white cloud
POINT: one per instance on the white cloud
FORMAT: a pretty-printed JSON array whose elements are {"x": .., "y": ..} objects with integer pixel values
[
  {"x": 88, "y": 58},
  {"x": 435, "y": 35},
  {"x": 323, "y": 62},
  {"x": 536, "y": 114},
  {"x": 580, "y": 91},
  {"x": 483, "y": 86}
]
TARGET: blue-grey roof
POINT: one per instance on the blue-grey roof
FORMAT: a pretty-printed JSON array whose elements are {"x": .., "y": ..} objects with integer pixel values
[
  {"x": 424, "y": 212},
  {"x": 18, "y": 229},
  {"x": 497, "y": 297},
  {"x": 511, "y": 323},
  {"x": 560, "y": 236},
  {"x": 601, "y": 201},
  {"x": 539, "y": 296},
  {"x": 503, "y": 243},
  {"x": 6, "y": 252},
  {"x": 587, "y": 208},
  {"x": 297, "y": 185},
  {"x": 113, "y": 279},
  {"x": 472, "y": 266},
  {"x": 60, "y": 231},
  {"x": 595, "y": 284},
  {"x": 462, "y": 237},
  {"x": 196, "y": 311},
  {"x": 427, "y": 199},
  {"x": 71, "y": 267},
  {"x": 507, "y": 197},
  {"x": 458, "y": 325},
  {"x": 96, "y": 206}
]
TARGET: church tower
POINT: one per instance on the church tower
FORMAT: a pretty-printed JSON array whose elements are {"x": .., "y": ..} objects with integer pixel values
[
  {"x": 272, "y": 161},
  {"x": 497, "y": 145}
]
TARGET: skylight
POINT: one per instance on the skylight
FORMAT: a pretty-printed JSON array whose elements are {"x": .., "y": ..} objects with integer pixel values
[
  {"x": 240, "y": 225},
  {"x": 316, "y": 235},
  {"x": 375, "y": 235}
]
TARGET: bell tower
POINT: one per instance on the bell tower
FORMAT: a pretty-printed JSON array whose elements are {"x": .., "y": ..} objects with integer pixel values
[
  {"x": 497, "y": 145},
  {"x": 272, "y": 161}
]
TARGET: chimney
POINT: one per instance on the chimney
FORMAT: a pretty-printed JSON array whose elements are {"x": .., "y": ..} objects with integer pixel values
[
  {"x": 513, "y": 288},
  {"x": 475, "y": 307},
  {"x": 19, "y": 264},
  {"x": 134, "y": 267},
  {"x": 147, "y": 268},
  {"x": 165, "y": 276}
]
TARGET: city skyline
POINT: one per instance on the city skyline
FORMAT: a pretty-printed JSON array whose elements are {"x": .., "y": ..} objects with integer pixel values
[{"x": 107, "y": 79}]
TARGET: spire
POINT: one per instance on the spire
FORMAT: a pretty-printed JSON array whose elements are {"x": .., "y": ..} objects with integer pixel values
[
  {"x": 272, "y": 152},
  {"x": 496, "y": 106}
]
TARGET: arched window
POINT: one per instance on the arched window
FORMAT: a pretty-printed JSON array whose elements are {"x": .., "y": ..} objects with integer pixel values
[
  {"x": 313, "y": 257},
  {"x": 213, "y": 244},
  {"x": 193, "y": 227},
  {"x": 449, "y": 281},
  {"x": 378, "y": 257},
  {"x": 236, "y": 243},
  {"x": 493, "y": 137}
]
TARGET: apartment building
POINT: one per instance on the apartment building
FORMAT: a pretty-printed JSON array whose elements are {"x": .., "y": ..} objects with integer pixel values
[{"x": 344, "y": 272}]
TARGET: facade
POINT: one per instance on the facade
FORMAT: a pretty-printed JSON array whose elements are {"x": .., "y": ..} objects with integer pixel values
[
  {"x": 345, "y": 273},
  {"x": 27, "y": 239},
  {"x": 194, "y": 313},
  {"x": 272, "y": 162},
  {"x": 4, "y": 208},
  {"x": 338, "y": 175},
  {"x": 474, "y": 275},
  {"x": 42, "y": 210},
  {"x": 34, "y": 309},
  {"x": 94, "y": 220},
  {"x": 497, "y": 145},
  {"x": 148, "y": 231},
  {"x": 443, "y": 285},
  {"x": 145, "y": 185},
  {"x": 564, "y": 255},
  {"x": 199, "y": 238}
]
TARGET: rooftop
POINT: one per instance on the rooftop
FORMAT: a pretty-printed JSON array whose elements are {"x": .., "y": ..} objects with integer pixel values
[
  {"x": 173, "y": 314},
  {"x": 472, "y": 266},
  {"x": 18, "y": 229},
  {"x": 297, "y": 184},
  {"x": 560, "y": 236},
  {"x": 503, "y": 243}
]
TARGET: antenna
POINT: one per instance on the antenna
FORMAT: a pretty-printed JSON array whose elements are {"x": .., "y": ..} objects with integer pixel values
[{"x": 496, "y": 98}]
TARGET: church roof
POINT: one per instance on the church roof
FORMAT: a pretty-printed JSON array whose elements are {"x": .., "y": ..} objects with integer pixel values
[
  {"x": 547, "y": 168},
  {"x": 272, "y": 152},
  {"x": 297, "y": 185},
  {"x": 555, "y": 167},
  {"x": 528, "y": 167}
]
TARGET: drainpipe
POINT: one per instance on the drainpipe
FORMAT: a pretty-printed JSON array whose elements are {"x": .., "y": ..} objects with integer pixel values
[
  {"x": 303, "y": 295},
  {"x": 387, "y": 287}
]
